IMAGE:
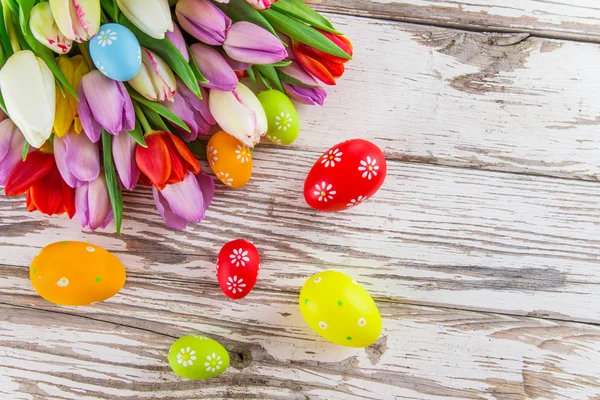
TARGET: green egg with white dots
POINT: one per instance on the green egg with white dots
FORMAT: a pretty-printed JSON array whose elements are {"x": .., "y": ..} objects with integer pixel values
[
  {"x": 198, "y": 357},
  {"x": 340, "y": 310},
  {"x": 284, "y": 124}
]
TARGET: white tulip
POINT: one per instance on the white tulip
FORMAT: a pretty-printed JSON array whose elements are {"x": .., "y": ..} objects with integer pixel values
[
  {"x": 155, "y": 81},
  {"x": 239, "y": 113},
  {"x": 44, "y": 29},
  {"x": 29, "y": 91},
  {"x": 153, "y": 17},
  {"x": 78, "y": 20}
]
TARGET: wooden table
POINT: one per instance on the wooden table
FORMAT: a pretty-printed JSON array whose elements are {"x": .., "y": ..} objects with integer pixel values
[{"x": 482, "y": 249}]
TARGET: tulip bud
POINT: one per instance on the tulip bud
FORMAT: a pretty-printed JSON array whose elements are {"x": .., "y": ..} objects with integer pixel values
[
  {"x": 46, "y": 31},
  {"x": 28, "y": 88},
  {"x": 155, "y": 81},
  {"x": 261, "y": 4},
  {"x": 11, "y": 148},
  {"x": 153, "y": 17},
  {"x": 77, "y": 158},
  {"x": 74, "y": 68},
  {"x": 303, "y": 94},
  {"x": 78, "y": 20},
  {"x": 92, "y": 203},
  {"x": 203, "y": 20},
  {"x": 177, "y": 40},
  {"x": 239, "y": 113},
  {"x": 247, "y": 42},
  {"x": 123, "y": 151},
  {"x": 193, "y": 111},
  {"x": 214, "y": 68}
]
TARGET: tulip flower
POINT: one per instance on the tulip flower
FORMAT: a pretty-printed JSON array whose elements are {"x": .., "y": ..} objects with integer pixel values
[
  {"x": 11, "y": 148},
  {"x": 155, "y": 81},
  {"x": 261, "y": 4},
  {"x": 249, "y": 43},
  {"x": 40, "y": 179},
  {"x": 214, "y": 68},
  {"x": 323, "y": 66},
  {"x": 303, "y": 94},
  {"x": 104, "y": 103},
  {"x": 177, "y": 40},
  {"x": 74, "y": 68},
  {"x": 93, "y": 204},
  {"x": 45, "y": 30},
  {"x": 123, "y": 150},
  {"x": 193, "y": 111},
  {"x": 78, "y": 20},
  {"x": 77, "y": 158},
  {"x": 239, "y": 113},
  {"x": 28, "y": 87},
  {"x": 153, "y": 17},
  {"x": 186, "y": 201},
  {"x": 203, "y": 20},
  {"x": 166, "y": 160}
]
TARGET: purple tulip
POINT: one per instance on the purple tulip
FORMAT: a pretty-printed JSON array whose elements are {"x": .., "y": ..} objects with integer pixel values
[
  {"x": 303, "y": 94},
  {"x": 214, "y": 67},
  {"x": 236, "y": 65},
  {"x": 252, "y": 44},
  {"x": 123, "y": 150},
  {"x": 77, "y": 158},
  {"x": 11, "y": 148},
  {"x": 187, "y": 201},
  {"x": 104, "y": 103},
  {"x": 193, "y": 111},
  {"x": 177, "y": 40},
  {"x": 93, "y": 204},
  {"x": 203, "y": 20}
]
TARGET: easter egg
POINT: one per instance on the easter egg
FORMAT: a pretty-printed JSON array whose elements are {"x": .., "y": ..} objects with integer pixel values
[
  {"x": 345, "y": 176},
  {"x": 284, "y": 124},
  {"x": 116, "y": 52},
  {"x": 238, "y": 266},
  {"x": 76, "y": 274},
  {"x": 340, "y": 310},
  {"x": 198, "y": 357},
  {"x": 230, "y": 159}
]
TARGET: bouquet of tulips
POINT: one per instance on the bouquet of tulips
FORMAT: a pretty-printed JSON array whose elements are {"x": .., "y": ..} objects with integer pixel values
[{"x": 98, "y": 96}]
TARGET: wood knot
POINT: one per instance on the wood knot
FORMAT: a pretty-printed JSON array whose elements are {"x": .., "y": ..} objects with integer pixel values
[{"x": 240, "y": 357}]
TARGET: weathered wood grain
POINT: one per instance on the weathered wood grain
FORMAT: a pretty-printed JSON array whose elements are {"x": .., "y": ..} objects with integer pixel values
[
  {"x": 464, "y": 238},
  {"x": 568, "y": 19},
  {"x": 488, "y": 101},
  {"x": 117, "y": 349}
]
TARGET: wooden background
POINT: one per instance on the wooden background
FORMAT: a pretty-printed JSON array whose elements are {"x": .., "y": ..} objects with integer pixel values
[{"x": 482, "y": 248}]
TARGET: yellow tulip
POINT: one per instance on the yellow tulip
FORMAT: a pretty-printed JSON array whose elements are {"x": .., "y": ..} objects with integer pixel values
[{"x": 74, "y": 68}]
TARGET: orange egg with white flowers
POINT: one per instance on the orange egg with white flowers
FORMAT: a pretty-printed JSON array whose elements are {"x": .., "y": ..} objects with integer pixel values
[
  {"x": 230, "y": 159},
  {"x": 76, "y": 274}
]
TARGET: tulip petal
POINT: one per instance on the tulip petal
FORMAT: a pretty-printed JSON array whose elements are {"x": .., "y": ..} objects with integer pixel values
[
  {"x": 152, "y": 17},
  {"x": 77, "y": 158},
  {"x": 315, "y": 67},
  {"x": 177, "y": 40},
  {"x": 107, "y": 108},
  {"x": 154, "y": 161},
  {"x": 183, "y": 110},
  {"x": 185, "y": 153},
  {"x": 90, "y": 126},
  {"x": 185, "y": 199},
  {"x": 11, "y": 145},
  {"x": 214, "y": 67},
  {"x": 124, "y": 149},
  {"x": 128, "y": 116},
  {"x": 47, "y": 194},
  {"x": 207, "y": 187},
  {"x": 203, "y": 20},
  {"x": 37, "y": 165},
  {"x": 78, "y": 20},
  {"x": 250, "y": 43},
  {"x": 98, "y": 206},
  {"x": 171, "y": 219},
  {"x": 232, "y": 116}
]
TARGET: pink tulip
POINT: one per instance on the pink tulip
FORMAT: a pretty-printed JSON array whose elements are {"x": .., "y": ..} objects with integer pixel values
[
  {"x": 203, "y": 20},
  {"x": 193, "y": 111},
  {"x": 214, "y": 68},
  {"x": 177, "y": 40},
  {"x": 261, "y": 4},
  {"x": 299, "y": 93},
  {"x": 104, "y": 103},
  {"x": 249, "y": 43},
  {"x": 11, "y": 148},
  {"x": 184, "y": 202},
  {"x": 123, "y": 150},
  {"x": 93, "y": 206},
  {"x": 77, "y": 158}
]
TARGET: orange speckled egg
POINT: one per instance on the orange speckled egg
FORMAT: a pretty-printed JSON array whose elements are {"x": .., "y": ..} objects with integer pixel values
[
  {"x": 76, "y": 274},
  {"x": 229, "y": 159}
]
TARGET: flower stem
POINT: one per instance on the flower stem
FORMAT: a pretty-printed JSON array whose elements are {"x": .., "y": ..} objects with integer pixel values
[
  {"x": 140, "y": 114},
  {"x": 86, "y": 55},
  {"x": 10, "y": 28}
]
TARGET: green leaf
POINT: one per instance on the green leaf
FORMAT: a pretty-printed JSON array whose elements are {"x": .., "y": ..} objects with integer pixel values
[
  {"x": 167, "y": 52},
  {"x": 280, "y": 64},
  {"x": 155, "y": 119},
  {"x": 4, "y": 39},
  {"x": 3, "y": 104},
  {"x": 293, "y": 81},
  {"x": 25, "y": 7},
  {"x": 159, "y": 108},
  {"x": 138, "y": 135},
  {"x": 300, "y": 10},
  {"x": 240, "y": 10},
  {"x": 198, "y": 149},
  {"x": 303, "y": 33},
  {"x": 251, "y": 74},
  {"x": 264, "y": 80},
  {"x": 270, "y": 73},
  {"x": 114, "y": 189},
  {"x": 25, "y": 150}
]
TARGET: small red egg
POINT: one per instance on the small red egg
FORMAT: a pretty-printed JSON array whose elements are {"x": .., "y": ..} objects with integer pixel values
[
  {"x": 238, "y": 266},
  {"x": 345, "y": 176}
]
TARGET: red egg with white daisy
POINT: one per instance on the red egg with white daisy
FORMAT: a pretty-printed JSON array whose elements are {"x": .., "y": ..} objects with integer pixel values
[
  {"x": 345, "y": 176},
  {"x": 238, "y": 266}
]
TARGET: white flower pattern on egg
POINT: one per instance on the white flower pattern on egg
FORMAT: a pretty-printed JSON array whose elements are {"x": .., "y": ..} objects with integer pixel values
[
  {"x": 330, "y": 158},
  {"x": 90, "y": 249},
  {"x": 274, "y": 139},
  {"x": 324, "y": 191},
  {"x": 362, "y": 322},
  {"x": 213, "y": 363},
  {"x": 243, "y": 154},
  {"x": 186, "y": 356},
  {"x": 283, "y": 121},
  {"x": 100, "y": 67},
  {"x": 368, "y": 168},
  {"x": 235, "y": 285},
  {"x": 239, "y": 256},
  {"x": 225, "y": 178},
  {"x": 318, "y": 279},
  {"x": 212, "y": 155},
  {"x": 107, "y": 38},
  {"x": 323, "y": 325},
  {"x": 62, "y": 282},
  {"x": 357, "y": 201}
]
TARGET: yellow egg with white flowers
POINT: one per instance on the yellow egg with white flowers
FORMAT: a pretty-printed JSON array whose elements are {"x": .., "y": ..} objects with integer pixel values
[{"x": 340, "y": 310}]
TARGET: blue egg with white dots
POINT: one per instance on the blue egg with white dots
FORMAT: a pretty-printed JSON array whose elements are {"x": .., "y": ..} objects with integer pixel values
[{"x": 116, "y": 52}]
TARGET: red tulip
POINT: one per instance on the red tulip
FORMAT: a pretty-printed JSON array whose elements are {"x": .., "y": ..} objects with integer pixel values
[
  {"x": 323, "y": 66},
  {"x": 166, "y": 160},
  {"x": 46, "y": 190}
]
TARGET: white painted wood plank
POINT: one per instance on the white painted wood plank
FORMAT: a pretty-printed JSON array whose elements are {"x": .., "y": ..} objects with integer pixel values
[
  {"x": 462, "y": 238},
  {"x": 569, "y": 19}
]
